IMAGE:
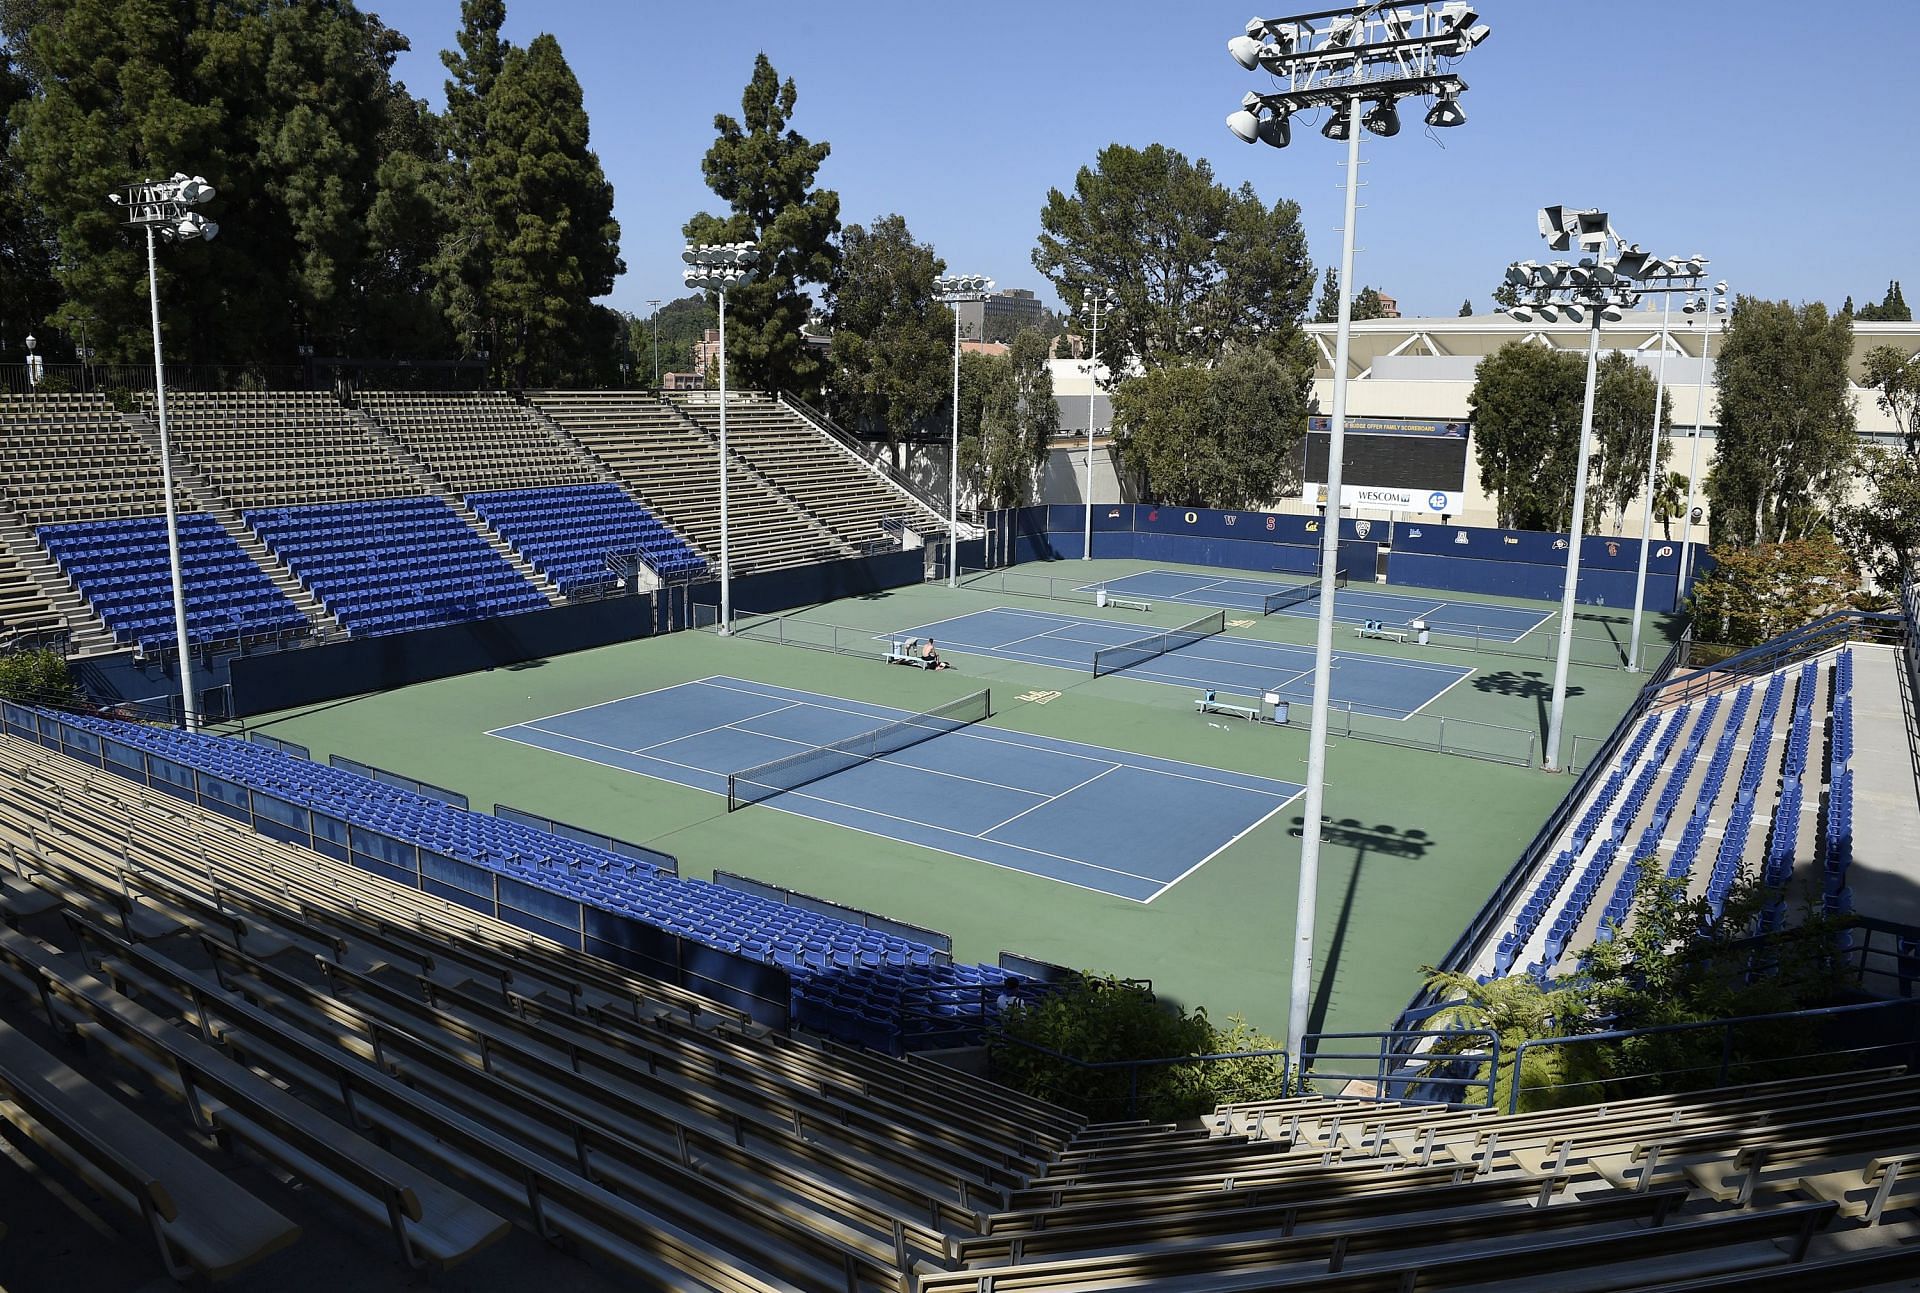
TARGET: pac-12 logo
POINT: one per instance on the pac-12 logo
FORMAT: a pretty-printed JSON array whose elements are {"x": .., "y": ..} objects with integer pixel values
[{"x": 1437, "y": 501}]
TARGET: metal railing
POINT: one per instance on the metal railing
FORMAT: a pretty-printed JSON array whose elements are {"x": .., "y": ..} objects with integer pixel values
[
  {"x": 1125, "y": 1103},
  {"x": 1788, "y": 648},
  {"x": 1896, "y": 1022},
  {"x": 1405, "y": 1066},
  {"x": 861, "y": 449}
]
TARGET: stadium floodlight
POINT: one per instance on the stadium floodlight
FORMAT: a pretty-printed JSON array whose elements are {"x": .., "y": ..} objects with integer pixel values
[
  {"x": 1520, "y": 314},
  {"x": 161, "y": 208},
  {"x": 719, "y": 268},
  {"x": 954, "y": 289},
  {"x": 1597, "y": 291},
  {"x": 1096, "y": 301},
  {"x": 1383, "y": 119},
  {"x": 1446, "y": 111},
  {"x": 1710, "y": 306},
  {"x": 1357, "y": 62}
]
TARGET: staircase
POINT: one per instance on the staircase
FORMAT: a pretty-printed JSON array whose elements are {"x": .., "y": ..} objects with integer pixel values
[
  {"x": 817, "y": 528},
  {"x": 87, "y": 633},
  {"x": 194, "y": 493},
  {"x": 431, "y": 483}
]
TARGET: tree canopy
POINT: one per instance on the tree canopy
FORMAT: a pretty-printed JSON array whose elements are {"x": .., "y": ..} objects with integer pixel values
[
  {"x": 1893, "y": 308},
  {"x": 1008, "y": 418},
  {"x": 1193, "y": 265},
  {"x": 765, "y": 172},
  {"x": 1226, "y": 435},
  {"x": 1762, "y": 590},
  {"x": 1526, "y": 401},
  {"x": 1787, "y": 444},
  {"x": 352, "y": 218},
  {"x": 892, "y": 341}
]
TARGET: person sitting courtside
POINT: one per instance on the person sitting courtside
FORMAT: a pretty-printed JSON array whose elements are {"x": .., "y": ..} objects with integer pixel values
[{"x": 930, "y": 658}]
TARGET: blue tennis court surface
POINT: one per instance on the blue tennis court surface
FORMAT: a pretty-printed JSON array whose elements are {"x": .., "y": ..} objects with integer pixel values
[
  {"x": 1352, "y": 606},
  {"x": 1371, "y": 684},
  {"x": 1129, "y": 825}
]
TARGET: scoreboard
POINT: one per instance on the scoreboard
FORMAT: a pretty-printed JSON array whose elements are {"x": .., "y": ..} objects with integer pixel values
[{"x": 1408, "y": 464}]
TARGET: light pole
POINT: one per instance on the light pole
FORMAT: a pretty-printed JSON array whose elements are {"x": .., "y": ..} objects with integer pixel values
[
  {"x": 1095, "y": 300},
  {"x": 1598, "y": 290},
  {"x": 653, "y": 330},
  {"x": 1341, "y": 60},
  {"x": 1707, "y": 307},
  {"x": 1664, "y": 277},
  {"x": 161, "y": 208},
  {"x": 716, "y": 267},
  {"x": 954, "y": 289}
]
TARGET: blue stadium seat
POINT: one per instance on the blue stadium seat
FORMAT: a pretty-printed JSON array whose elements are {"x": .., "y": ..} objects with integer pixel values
[{"x": 567, "y": 532}]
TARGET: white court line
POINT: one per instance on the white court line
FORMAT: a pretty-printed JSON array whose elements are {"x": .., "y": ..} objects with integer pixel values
[
  {"x": 1536, "y": 624},
  {"x": 977, "y": 733},
  {"x": 651, "y": 691},
  {"x": 1055, "y": 798},
  {"x": 1224, "y": 847},
  {"x": 506, "y": 734},
  {"x": 1443, "y": 691},
  {"x": 717, "y": 727}
]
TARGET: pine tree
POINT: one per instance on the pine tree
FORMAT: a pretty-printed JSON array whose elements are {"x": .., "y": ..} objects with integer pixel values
[
  {"x": 1506, "y": 296},
  {"x": 1328, "y": 308},
  {"x": 552, "y": 241},
  {"x": 765, "y": 173},
  {"x": 463, "y": 268},
  {"x": 27, "y": 293},
  {"x": 1466, "y": 308},
  {"x": 1367, "y": 305},
  {"x": 890, "y": 337}
]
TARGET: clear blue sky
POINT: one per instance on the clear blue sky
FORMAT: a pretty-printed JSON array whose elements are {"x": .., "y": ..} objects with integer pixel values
[{"x": 1775, "y": 138}]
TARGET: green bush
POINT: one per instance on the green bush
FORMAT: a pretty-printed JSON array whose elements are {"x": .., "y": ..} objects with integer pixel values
[
  {"x": 1101, "y": 1020},
  {"x": 35, "y": 677}
]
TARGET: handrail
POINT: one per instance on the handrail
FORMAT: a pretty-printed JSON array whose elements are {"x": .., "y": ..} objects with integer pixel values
[
  {"x": 1726, "y": 1048},
  {"x": 858, "y": 448},
  {"x": 1807, "y": 640},
  {"x": 1133, "y": 1067}
]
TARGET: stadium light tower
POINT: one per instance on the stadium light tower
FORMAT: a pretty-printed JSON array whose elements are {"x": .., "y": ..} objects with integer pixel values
[
  {"x": 1343, "y": 60},
  {"x": 1598, "y": 290},
  {"x": 653, "y": 330},
  {"x": 1707, "y": 307},
  {"x": 1664, "y": 277},
  {"x": 163, "y": 209},
  {"x": 716, "y": 267},
  {"x": 1096, "y": 300},
  {"x": 955, "y": 289}
]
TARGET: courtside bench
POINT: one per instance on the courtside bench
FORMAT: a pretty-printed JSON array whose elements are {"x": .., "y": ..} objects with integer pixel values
[
  {"x": 1208, "y": 705},
  {"x": 1384, "y": 634}
]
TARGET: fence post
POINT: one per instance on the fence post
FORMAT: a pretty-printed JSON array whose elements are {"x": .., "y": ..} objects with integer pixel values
[{"x": 1513, "y": 1092}]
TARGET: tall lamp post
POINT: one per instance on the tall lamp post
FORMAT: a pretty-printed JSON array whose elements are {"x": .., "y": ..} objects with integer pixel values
[
  {"x": 1707, "y": 308},
  {"x": 1665, "y": 277},
  {"x": 717, "y": 267},
  {"x": 1598, "y": 290},
  {"x": 1096, "y": 301},
  {"x": 1343, "y": 60},
  {"x": 653, "y": 330},
  {"x": 162, "y": 208},
  {"x": 954, "y": 289}
]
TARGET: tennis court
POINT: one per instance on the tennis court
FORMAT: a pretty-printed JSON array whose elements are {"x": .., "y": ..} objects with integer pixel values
[
  {"x": 1124, "y": 824},
  {"x": 1353, "y": 605},
  {"x": 1370, "y": 684}
]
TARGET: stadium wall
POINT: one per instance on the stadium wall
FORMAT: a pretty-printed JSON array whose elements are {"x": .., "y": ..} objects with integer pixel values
[{"x": 1506, "y": 563}]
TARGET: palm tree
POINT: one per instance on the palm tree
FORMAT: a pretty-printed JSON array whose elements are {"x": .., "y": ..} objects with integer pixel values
[{"x": 1669, "y": 501}]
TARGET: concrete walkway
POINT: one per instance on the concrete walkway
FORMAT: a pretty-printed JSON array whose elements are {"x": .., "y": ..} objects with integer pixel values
[{"x": 1885, "y": 875}]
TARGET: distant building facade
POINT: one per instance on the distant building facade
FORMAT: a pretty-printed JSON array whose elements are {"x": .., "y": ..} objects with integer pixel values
[{"x": 1001, "y": 315}]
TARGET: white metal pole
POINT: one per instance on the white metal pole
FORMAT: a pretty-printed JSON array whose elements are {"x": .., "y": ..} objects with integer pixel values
[
  {"x": 1693, "y": 464},
  {"x": 189, "y": 702},
  {"x": 726, "y": 559},
  {"x": 1301, "y": 986},
  {"x": 953, "y": 466},
  {"x": 1093, "y": 387},
  {"x": 1576, "y": 530},
  {"x": 1646, "y": 507}
]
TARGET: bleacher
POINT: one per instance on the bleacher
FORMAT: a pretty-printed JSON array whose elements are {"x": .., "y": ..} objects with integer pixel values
[
  {"x": 568, "y": 532},
  {"x": 387, "y": 565},
  {"x": 1731, "y": 770},
  {"x": 670, "y": 465},
  {"x": 25, "y": 611},
  {"x": 73, "y": 458},
  {"x": 283, "y": 448},
  {"x": 480, "y": 440},
  {"x": 120, "y": 566},
  {"x": 842, "y": 491},
  {"x": 872, "y": 988}
]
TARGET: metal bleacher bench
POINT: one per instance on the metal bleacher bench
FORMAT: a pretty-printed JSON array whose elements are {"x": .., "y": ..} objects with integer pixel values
[
  {"x": 1390, "y": 635},
  {"x": 907, "y": 651}
]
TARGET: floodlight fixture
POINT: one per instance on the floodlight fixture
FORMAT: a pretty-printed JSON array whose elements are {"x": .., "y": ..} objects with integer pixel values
[
  {"x": 1446, "y": 111},
  {"x": 1345, "y": 30},
  {"x": 1383, "y": 119},
  {"x": 1520, "y": 314},
  {"x": 1564, "y": 227},
  {"x": 1339, "y": 123},
  {"x": 718, "y": 268},
  {"x": 1546, "y": 314},
  {"x": 1636, "y": 262},
  {"x": 1454, "y": 15}
]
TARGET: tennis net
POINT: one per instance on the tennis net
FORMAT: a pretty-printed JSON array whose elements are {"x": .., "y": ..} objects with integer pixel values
[
  {"x": 1297, "y": 594},
  {"x": 1127, "y": 654},
  {"x": 804, "y": 767}
]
